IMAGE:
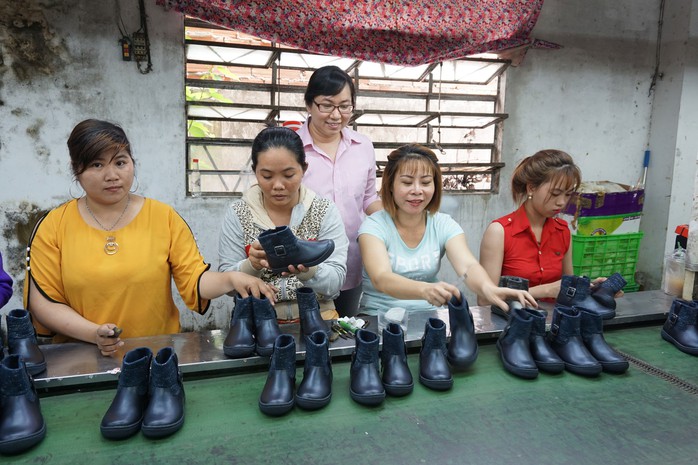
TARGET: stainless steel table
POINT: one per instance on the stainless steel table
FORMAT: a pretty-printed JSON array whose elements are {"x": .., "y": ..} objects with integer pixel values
[{"x": 80, "y": 364}]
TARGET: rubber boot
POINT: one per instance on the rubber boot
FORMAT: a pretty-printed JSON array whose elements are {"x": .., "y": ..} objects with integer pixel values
[
  {"x": 366, "y": 386},
  {"x": 164, "y": 414},
  {"x": 462, "y": 347},
  {"x": 22, "y": 425},
  {"x": 21, "y": 340},
  {"x": 309, "y": 312},
  {"x": 315, "y": 391},
  {"x": 513, "y": 345},
  {"x": 283, "y": 248},
  {"x": 592, "y": 335},
  {"x": 576, "y": 291},
  {"x": 395, "y": 373},
  {"x": 277, "y": 395},
  {"x": 606, "y": 291},
  {"x": 240, "y": 343},
  {"x": 266, "y": 326},
  {"x": 680, "y": 326},
  {"x": 434, "y": 371},
  {"x": 545, "y": 357},
  {"x": 125, "y": 414},
  {"x": 512, "y": 282},
  {"x": 566, "y": 340}
]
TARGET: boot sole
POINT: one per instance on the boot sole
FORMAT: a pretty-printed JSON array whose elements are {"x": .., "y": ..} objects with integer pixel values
[
  {"x": 526, "y": 373},
  {"x": 239, "y": 352},
  {"x": 615, "y": 368},
  {"x": 36, "y": 368},
  {"x": 463, "y": 363},
  {"x": 317, "y": 261},
  {"x": 398, "y": 390},
  {"x": 276, "y": 410},
  {"x": 368, "y": 399},
  {"x": 160, "y": 431},
  {"x": 120, "y": 432},
  {"x": 552, "y": 368},
  {"x": 264, "y": 351},
  {"x": 685, "y": 349},
  {"x": 583, "y": 369},
  {"x": 313, "y": 404},
  {"x": 437, "y": 384},
  {"x": 15, "y": 446}
]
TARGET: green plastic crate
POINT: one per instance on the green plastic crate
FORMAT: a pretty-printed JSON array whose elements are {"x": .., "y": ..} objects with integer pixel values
[{"x": 595, "y": 256}]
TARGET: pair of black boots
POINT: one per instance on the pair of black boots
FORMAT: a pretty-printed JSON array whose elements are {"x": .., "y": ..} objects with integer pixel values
[
  {"x": 437, "y": 356},
  {"x": 680, "y": 327},
  {"x": 22, "y": 425},
  {"x": 283, "y": 248},
  {"x": 21, "y": 341},
  {"x": 315, "y": 391},
  {"x": 254, "y": 328},
  {"x": 576, "y": 291},
  {"x": 575, "y": 342},
  {"x": 149, "y": 396}
]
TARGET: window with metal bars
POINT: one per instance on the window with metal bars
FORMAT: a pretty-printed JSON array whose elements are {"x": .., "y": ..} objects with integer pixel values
[{"x": 237, "y": 84}]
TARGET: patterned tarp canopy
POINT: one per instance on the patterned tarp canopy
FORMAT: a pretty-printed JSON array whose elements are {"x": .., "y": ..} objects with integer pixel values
[{"x": 401, "y": 32}]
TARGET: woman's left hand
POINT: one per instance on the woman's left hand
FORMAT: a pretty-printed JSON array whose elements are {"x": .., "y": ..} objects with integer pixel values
[
  {"x": 292, "y": 270},
  {"x": 499, "y": 295},
  {"x": 247, "y": 285}
]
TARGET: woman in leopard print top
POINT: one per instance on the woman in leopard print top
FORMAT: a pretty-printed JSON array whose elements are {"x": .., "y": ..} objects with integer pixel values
[{"x": 279, "y": 199}]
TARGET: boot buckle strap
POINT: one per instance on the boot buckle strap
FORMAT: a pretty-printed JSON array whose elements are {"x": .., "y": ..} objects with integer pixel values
[
  {"x": 570, "y": 291},
  {"x": 673, "y": 317},
  {"x": 280, "y": 250},
  {"x": 554, "y": 329}
]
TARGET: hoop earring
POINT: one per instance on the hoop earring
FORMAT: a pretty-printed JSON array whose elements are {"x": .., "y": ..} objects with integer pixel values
[
  {"x": 138, "y": 185},
  {"x": 70, "y": 189}
]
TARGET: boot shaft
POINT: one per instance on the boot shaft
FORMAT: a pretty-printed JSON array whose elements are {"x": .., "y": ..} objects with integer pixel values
[
  {"x": 317, "y": 350},
  {"x": 566, "y": 323},
  {"x": 683, "y": 313},
  {"x": 19, "y": 325},
  {"x": 537, "y": 321},
  {"x": 135, "y": 368},
  {"x": 366, "y": 350},
  {"x": 434, "y": 337},
  {"x": 613, "y": 284},
  {"x": 164, "y": 370},
  {"x": 14, "y": 377},
  {"x": 590, "y": 323},
  {"x": 573, "y": 290},
  {"x": 243, "y": 308},
  {"x": 307, "y": 300},
  {"x": 284, "y": 355},
  {"x": 518, "y": 326},
  {"x": 393, "y": 341}
]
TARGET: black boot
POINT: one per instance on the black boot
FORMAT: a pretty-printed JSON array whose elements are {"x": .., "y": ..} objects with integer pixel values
[
  {"x": 21, "y": 423},
  {"x": 366, "y": 385},
  {"x": 21, "y": 340},
  {"x": 513, "y": 345},
  {"x": 164, "y": 414},
  {"x": 434, "y": 371},
  {"x": 576, "y": 291},
  {"x": 512, "y": 282},
  {"x": 606, "y": 291},
  {"x": 592, "y": 335},
  {"x": 315, "y": 390},
  {"x": 680, "y": 326},
  {"x": 266, "y": 326},
  {"x": 462, "y": 346},
  {"x": 277, "y": 395},
  {"x": 545, "y": 357},
  {"x": 239, "y": 343},
  {"x": 566, "y": 340},
  {"x": 309, "y": 312},
  {"x": 125, "y": 414},
  {"x": 396, "y": 376},
  {"x": 283, "y": 248}
]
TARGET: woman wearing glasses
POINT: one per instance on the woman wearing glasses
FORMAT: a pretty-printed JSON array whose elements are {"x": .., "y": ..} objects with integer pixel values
[{"x": 341, "y": 166}]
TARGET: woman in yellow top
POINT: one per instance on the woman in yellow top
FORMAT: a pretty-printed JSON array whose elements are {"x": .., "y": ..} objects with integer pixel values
[{"x": 107, "y": 259}]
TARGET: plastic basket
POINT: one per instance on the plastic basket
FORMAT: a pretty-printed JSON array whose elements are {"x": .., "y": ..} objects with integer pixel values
[{"x": 595, "y": 256}]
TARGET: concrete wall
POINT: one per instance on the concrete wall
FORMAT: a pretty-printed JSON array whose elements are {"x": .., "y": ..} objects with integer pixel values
[{"x": 60, "y": 63}]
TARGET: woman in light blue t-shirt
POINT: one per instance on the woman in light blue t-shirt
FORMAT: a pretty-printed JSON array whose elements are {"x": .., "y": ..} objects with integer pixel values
[{"x": 403, "y": 244}]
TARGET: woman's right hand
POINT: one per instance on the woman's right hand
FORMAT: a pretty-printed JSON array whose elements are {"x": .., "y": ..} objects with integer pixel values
[
  {"x": 257, "y": 256},
  {"x": 106, "y": 341},
  {"x": 439, "y": 294}
]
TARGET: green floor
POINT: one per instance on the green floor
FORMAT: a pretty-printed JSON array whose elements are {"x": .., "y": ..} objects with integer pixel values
[{"x": 488, "y": 417}]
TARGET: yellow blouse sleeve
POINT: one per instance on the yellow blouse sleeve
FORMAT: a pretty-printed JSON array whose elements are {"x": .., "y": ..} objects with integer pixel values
[{"x": 187, "y": 264}]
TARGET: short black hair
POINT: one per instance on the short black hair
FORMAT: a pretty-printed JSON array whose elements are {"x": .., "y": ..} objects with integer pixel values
[{"x": 328, "y": 80}]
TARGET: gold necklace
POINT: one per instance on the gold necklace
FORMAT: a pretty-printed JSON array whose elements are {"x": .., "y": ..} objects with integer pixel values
[{"x": 111, "y": 247}]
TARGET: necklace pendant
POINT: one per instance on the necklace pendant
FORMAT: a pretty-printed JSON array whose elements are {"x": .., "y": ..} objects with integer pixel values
[{"x": 111, "y": 247}]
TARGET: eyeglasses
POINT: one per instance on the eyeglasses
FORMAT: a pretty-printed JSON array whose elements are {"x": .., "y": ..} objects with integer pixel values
[{"x": 329, "y": 108}]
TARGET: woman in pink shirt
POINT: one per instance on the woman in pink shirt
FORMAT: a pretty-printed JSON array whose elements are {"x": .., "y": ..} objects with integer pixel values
[{"x": 341, "y": 166}]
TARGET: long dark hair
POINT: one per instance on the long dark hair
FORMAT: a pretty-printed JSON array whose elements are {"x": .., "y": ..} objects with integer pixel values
[{"x": 550, "y": 165}]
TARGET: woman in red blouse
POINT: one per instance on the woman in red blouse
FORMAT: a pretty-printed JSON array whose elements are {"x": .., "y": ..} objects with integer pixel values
[{"x": 531, "y": 242}]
